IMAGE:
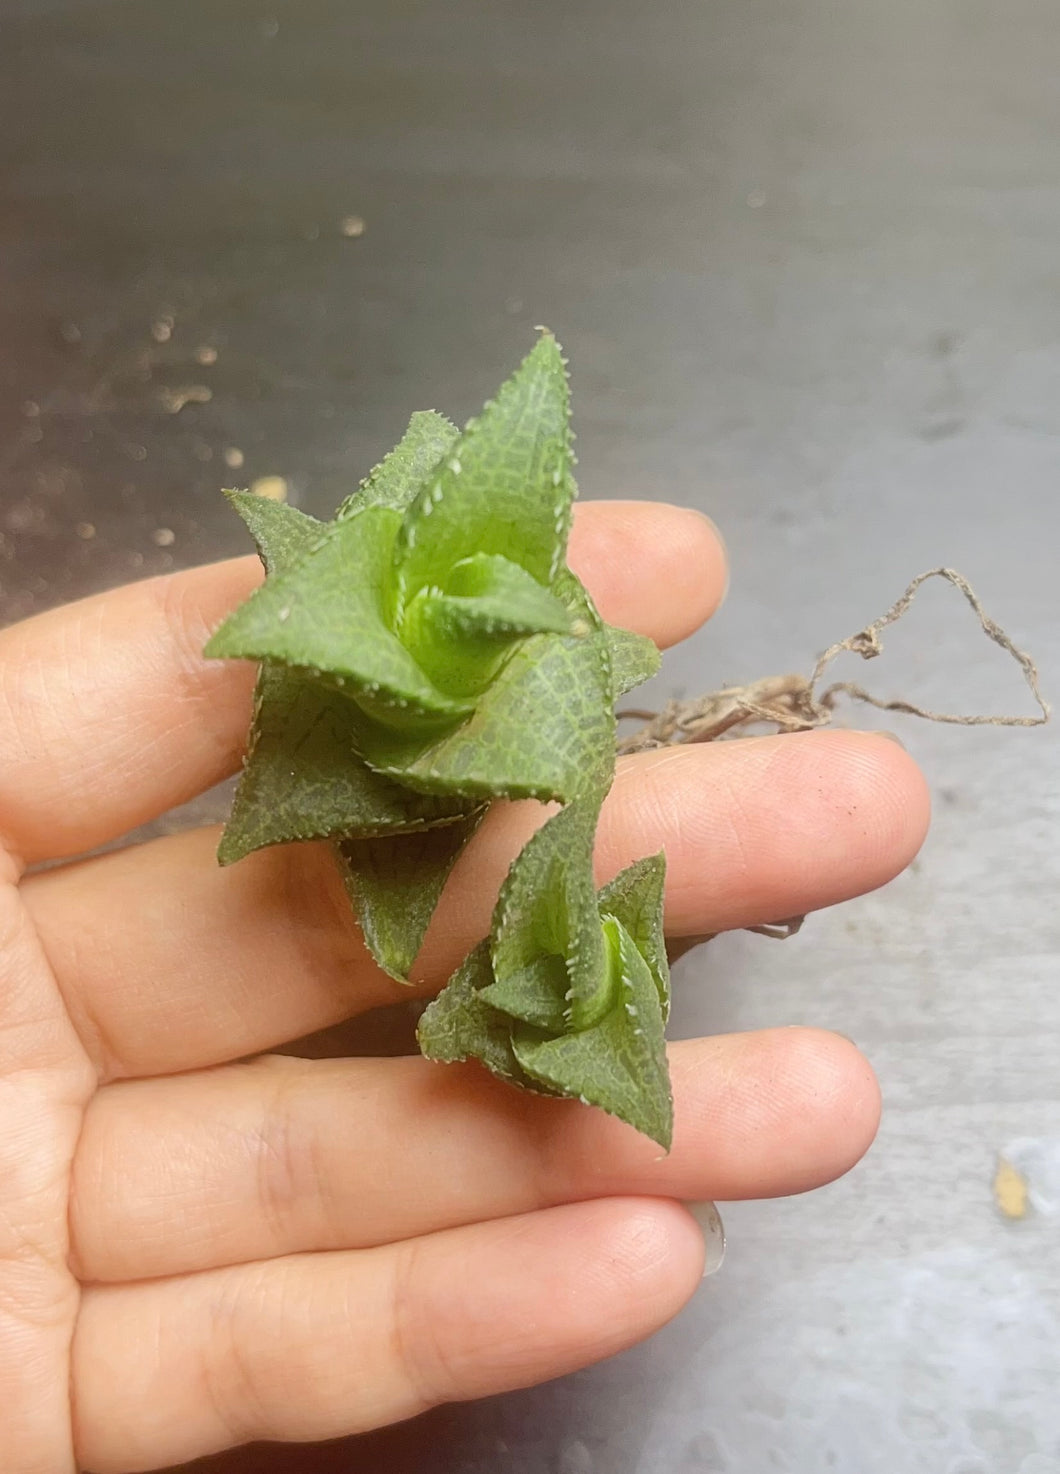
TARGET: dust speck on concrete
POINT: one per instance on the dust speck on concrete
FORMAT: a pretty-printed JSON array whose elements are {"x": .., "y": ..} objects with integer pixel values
[{"x": 174, "y": 400}]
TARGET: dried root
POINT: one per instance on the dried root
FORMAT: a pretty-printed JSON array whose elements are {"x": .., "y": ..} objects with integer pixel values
[{"x": 791, "y": 703}]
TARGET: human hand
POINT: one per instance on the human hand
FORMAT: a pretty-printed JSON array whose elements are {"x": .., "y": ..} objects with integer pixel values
[{"x": 195, "y": 1251}]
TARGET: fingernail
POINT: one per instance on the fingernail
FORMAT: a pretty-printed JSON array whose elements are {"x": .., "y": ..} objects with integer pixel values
[
  {"x": 713, "y": 1230},
  {"x": 892, "y": 737}
]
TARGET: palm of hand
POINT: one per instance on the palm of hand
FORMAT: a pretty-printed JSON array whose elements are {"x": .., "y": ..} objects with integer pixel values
[{"x": 196, "y": 1252}]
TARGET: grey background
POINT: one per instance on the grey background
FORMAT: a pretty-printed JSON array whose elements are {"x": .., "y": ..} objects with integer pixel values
[{"x": 804, "y": 257}]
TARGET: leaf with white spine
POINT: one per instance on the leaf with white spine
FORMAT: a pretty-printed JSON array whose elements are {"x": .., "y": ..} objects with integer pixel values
[
  {"x": 547, "y": 908},
  {"x": 459, "y": 1026},
  {"x": 635, "y": 898},
  {"x": 326, "y": 615},
  {"x": 401, "y": 474},
  {"x": 634, "y": 659},
  {"x": 619, "y": 1064},
  {"x": 461, "y": 633},
  {"x": 505, "y": 487},
  {"x": 303, "y": 778},
  {"x": 282, "y": 533},
  {"x": 544, "y": 728},
  {"x": 394, "y": 883},
  {"x": 536, "y": 994}
]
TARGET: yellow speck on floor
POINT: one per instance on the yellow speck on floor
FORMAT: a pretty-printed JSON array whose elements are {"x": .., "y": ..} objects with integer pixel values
[{"x": 1010, "y": 1190}]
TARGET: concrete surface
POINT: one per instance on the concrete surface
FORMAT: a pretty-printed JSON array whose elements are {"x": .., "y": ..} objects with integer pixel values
[{"x": 804, "y": 259}]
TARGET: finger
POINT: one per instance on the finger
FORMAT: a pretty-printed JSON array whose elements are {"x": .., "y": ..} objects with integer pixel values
[
  {"x": 314, "y": 1346},
  {"x": 110, "y": 715},
  {"x": 608, "y": 544},
  {"x": 224, "y": 963},
  {"x": 260, "y": 1163}
]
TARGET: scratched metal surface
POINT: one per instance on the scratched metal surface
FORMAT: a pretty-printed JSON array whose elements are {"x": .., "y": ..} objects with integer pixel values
[{"x": 803, "y": 257}]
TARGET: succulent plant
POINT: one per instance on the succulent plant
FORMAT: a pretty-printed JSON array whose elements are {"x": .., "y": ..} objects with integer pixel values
[{"x": 429, "y": 651}]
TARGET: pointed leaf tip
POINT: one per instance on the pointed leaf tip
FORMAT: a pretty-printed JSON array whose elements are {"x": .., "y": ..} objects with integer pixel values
[
  {"x": 401, "y": 473},
  {"x": 505, "y": 487}
]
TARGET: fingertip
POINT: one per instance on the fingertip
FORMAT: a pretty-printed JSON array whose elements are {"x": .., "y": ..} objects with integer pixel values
[
  {"x": 770, "y": 1113},
  {"x": 879, "y": 766},
  {"x": 658, "y": 569},
  {"x": 557, "y": 1289},
  {"x": 698, "y": 560},
  {"x": 658, "y": 1237},
  {"x": 715, "y": 552},
  {"x": 841, "y": 1100},
  {"x": 790, "y": 824},
  {"x": 649, "y": 1260}
]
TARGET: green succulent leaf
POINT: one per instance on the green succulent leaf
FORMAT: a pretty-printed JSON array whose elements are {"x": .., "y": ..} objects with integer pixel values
[
  {"x": 536, "y": 994},
  {"x": 547, "y": 909},
  {"x": 394, "y": 883},
  {"x": 619, "y": 1064},
  {"x": 634, "y": 659},
  {"x": 505, "y": 487},
  {"x": 534, "y": 733},
  {"x": 282, "y": 533},
  {"x": 635, "y": 898},
  {"x": 304, "y": 779},
  {"x": 543, "y": 728},
  {"x": 401, "y": 474},
  {"x": 460, "y": 633},
  {"x": 459, "y": 1025},
  {"x": 326, "y": 616}
]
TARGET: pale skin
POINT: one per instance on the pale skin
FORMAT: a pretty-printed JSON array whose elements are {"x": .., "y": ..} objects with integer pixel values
[{"x": 196, "y": 1252}]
